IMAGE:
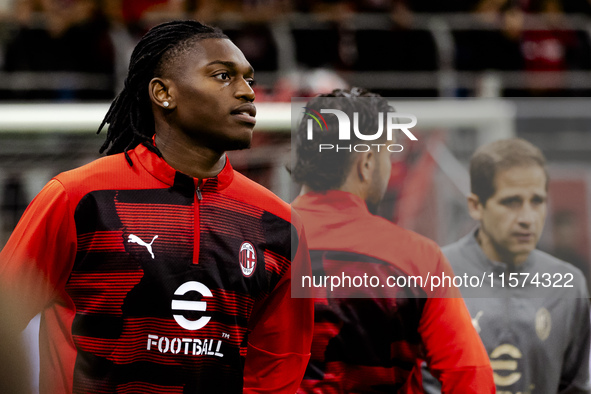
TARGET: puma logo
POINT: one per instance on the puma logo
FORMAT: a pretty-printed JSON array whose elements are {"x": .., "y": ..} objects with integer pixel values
[{"x": 135, "y": 239}]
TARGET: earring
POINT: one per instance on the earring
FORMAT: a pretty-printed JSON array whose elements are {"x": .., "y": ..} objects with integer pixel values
[{"x": 166, "y": 104}]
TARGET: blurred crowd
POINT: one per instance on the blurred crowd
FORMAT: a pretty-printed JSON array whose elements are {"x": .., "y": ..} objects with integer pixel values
[{"x": 78, "y": 49}]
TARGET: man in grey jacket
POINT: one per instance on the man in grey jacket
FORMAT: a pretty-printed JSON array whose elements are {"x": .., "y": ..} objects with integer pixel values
[{"x": 530, "y": 309}]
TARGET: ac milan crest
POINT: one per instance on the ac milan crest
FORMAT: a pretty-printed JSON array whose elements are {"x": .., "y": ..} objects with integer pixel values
[{"x": 247, "y": 258}]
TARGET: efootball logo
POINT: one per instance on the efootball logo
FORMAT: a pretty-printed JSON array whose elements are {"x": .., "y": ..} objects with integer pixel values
[
  {"x": 189, "y": 305},
  {"x": 393, "y": 122}
]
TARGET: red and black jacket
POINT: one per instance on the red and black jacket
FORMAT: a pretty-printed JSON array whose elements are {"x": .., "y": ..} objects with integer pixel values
[
  {"x": 151, "y": 281},
  {"x": 370, "y": 337}
]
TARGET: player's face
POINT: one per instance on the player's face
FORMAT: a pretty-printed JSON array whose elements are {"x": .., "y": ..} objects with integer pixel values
[
  {"x": 513, "y": 218},
  {"x": 213, "y": 95}
]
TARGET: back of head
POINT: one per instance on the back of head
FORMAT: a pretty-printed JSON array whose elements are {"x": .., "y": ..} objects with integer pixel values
[
  {"x": 130, "y": 116},
  {"x": 328, "y": 169},
  {"x": 498, "y": 156}
]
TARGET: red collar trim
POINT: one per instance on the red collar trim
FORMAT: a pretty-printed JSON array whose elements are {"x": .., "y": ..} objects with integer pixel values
[
  {"x": 336, "y": 200},
  {"x": 162, "y": 171}
]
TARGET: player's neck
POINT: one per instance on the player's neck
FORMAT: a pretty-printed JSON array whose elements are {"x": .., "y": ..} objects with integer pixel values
[{"x": 190, "y": 158}]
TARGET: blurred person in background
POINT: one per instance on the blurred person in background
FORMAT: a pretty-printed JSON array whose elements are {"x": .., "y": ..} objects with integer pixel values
[
  {"x": 372, "y": 339},
  {"x": 534, "y": 326},
  {"x": 550, "y": 49},
  {"x": 62, "y": 36},
  {"x": 160, "y": 268}
]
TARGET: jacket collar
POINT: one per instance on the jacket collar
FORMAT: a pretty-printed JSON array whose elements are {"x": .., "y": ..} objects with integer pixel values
[
  {"x": 162, "y": 171},
  {"x": 332, "y": 200}
]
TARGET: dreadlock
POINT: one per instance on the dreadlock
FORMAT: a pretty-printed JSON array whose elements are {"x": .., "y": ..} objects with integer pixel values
[{"x": 130, "y": 116}]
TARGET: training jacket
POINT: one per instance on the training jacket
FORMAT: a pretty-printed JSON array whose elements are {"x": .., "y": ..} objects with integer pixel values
[
  {"x": 151, "y": 281},
  {"x": 535, "y": 330},
  {"x": 370, "y": 338}
]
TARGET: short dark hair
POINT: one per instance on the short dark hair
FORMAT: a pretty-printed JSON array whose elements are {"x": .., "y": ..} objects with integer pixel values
[
  {"x": 130, "y": 116},
  {"x": 328, "y": 170},
  {"x": 497, "y": 156}
]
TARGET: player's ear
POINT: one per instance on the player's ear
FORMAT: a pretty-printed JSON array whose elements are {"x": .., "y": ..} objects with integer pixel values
[
  {"x": 474, "y": 207},
  {"x": 160, "y": 93},
  {"x": 365, "y": 165}
]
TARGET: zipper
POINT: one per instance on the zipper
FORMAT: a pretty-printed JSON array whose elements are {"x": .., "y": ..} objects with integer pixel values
[
  {"x": 198, "y": 190},
  {"x": 197, "y": 224}
]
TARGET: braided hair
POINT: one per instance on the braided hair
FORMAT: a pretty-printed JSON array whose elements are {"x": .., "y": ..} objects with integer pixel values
[{"x": 130, "y": 116}]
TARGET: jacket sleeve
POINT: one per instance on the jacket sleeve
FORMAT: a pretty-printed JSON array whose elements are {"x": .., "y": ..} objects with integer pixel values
[
  {"x": 454, "y": 350},
  {"x": 574, "y": 377},
  {"x": 39, "y": 254},
  {"x": 281, "y": 334}
]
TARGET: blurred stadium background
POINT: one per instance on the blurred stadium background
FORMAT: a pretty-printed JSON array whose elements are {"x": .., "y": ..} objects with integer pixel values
[{"x": 470, "y": 70}]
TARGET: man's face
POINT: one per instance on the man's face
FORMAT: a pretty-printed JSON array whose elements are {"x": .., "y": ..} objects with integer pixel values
[
  {"x": 511, "y": 221},
  {"x": 211, "y": 86}
]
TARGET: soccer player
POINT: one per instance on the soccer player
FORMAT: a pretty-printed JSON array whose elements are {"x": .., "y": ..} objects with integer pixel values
[
  {"x": 534, "y": 317},
  {"x": 160, "y": 269},
  {"x": 370, "y": 337}
]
